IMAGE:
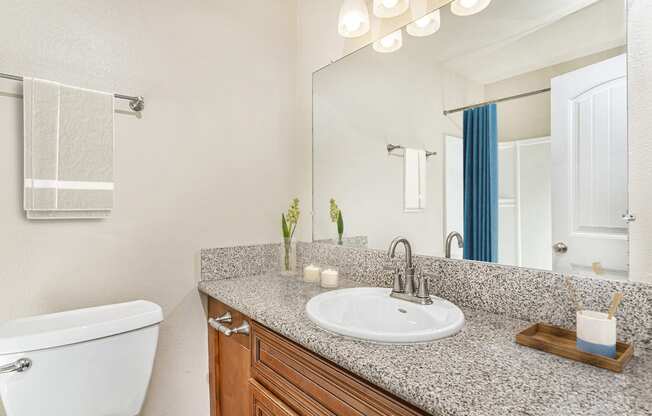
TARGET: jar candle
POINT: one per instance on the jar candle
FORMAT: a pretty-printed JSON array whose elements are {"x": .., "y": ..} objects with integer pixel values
[
  {"x": 329, "y": 278},
  {"x": 311, "y": 273}
]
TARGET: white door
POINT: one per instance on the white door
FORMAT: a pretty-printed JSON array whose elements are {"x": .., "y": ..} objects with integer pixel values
[{"x": 589, "y": 169}]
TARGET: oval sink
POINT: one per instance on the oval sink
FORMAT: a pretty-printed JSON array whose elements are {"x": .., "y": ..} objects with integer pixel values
[{"x": 369, "y": 313}]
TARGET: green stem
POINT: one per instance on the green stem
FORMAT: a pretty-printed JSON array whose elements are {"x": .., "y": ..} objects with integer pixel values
[{"x": 288, "y": 246}]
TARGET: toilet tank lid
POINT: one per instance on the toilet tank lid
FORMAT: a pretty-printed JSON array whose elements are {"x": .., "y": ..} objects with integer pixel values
[{"x": 70, "y": 327}]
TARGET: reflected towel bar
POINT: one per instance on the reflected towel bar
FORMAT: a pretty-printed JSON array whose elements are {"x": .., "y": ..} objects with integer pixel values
[
  {"x": 135, "y": 103},
  {"x": 392, "y": 147}
]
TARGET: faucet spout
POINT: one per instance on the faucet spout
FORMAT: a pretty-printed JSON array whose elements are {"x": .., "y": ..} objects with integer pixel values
[
  {"x": 408, "y": 250},
  {"x": 449, "y": 242},
  {"x": 408, "y": 288}
]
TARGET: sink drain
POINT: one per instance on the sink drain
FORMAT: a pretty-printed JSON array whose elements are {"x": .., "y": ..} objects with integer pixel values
[{"x": 402, "y": 310}]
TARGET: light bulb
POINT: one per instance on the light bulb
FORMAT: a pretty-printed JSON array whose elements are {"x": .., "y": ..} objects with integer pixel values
[
  {"x": 352, "y": 22},
  {"x": 468, "y": 7},
  {"x": 389, "y": 43},
  {"x": 423, "y": 22},
  {"x": 390, "y": 8},
  {"x": 426, "y": 25},
  {"x": 468, "y": 3},
  {"x": 353, "y": 19}
]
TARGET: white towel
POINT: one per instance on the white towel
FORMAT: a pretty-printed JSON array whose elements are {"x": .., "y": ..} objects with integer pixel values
[
  {"x": 414, "y": 164},
  {"x": 68, "y": 151}
]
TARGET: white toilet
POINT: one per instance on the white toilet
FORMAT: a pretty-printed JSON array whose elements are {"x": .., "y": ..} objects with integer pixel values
[{"x": 87, "y": 362}]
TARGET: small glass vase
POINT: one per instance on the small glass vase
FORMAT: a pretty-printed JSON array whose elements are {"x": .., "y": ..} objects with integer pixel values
[{"x": 288, "y": 257}]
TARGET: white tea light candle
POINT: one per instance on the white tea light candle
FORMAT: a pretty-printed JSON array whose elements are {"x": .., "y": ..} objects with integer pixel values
[
  {"x": 329, "y": 278},
  {"x": 311, "y": 273}
]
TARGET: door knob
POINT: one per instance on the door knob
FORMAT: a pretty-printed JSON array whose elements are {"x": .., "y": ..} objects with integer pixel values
[{"x": 560, "y": 247}]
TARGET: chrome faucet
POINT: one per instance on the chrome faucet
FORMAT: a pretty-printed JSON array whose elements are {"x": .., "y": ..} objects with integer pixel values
[
  {"x": 404, "y": 281},
  {"x": 449, "y": 241}
]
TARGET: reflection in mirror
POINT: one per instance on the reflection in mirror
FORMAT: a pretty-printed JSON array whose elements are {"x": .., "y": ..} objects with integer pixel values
[{"x": 501, "y": 137}]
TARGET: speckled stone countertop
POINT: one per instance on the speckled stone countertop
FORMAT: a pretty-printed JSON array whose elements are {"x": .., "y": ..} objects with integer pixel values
[{"x": 480, "y": 371}]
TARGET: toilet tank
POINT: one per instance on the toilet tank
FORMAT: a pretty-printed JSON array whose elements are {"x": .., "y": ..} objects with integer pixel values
[{"x": 87, "y": 362}]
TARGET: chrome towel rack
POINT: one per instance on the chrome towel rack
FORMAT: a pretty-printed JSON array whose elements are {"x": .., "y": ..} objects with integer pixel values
[
  {"x": 392, "y": 147},
  {"x": 136, "y": 103}
]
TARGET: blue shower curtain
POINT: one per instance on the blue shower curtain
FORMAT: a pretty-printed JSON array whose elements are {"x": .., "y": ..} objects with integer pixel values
[{"x": 481, "y": 184}]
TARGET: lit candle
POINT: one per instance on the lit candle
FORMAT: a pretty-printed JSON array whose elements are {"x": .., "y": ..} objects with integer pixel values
[
  {"x": 329, "y": 278},
  {"x": 311, "y": 273}
]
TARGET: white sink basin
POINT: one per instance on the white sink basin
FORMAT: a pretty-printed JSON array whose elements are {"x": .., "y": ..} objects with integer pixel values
[{"x": 369, "y": 313}]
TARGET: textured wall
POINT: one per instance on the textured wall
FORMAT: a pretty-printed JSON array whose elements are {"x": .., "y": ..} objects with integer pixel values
[
  {"x": 206, "y": 165},
  {"x": 640, "y": 138}
]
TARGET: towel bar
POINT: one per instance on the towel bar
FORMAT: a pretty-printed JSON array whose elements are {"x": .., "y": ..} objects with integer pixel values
[
  {"x": 135, "y": 103},
  {"x": 392, "y": 147}
]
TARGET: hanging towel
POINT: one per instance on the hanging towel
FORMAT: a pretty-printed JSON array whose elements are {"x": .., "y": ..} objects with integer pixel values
[
  {"x": 414, "y": 164},
  {"x": 68, "y": 152}
]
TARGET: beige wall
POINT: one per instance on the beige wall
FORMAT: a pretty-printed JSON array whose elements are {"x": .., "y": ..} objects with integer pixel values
[
  {"x": 529, "y": 117},
  {"x": 353, "y": 123},
  {"x": 319, "y": 44},
  {"x": 206, "y": 165}
]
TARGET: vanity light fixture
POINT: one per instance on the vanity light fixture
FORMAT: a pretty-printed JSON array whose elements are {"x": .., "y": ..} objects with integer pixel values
[
  {"x": 468, "y": 7},
  {"x": 390, "y": 8},
  {"x": 389, "y": 43},
  {"x": 425, "y": 26},
  {"x": 354, "y": 19}
]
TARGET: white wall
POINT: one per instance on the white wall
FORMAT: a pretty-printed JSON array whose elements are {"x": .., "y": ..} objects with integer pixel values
[{"x": 206, "y": 165}]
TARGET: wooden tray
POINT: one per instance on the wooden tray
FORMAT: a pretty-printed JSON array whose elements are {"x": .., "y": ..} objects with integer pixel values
[{"x": 561, "y": 342}]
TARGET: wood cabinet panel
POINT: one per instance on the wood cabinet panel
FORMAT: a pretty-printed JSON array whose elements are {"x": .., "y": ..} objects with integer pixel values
[
  {"x": 263, "y": 403},
  {"x": 229, "y": 366},
  {"x": 311, "y": 385}
]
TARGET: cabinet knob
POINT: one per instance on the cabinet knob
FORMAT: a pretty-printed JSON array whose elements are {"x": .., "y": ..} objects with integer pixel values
[{"x": 560, "y": 247}]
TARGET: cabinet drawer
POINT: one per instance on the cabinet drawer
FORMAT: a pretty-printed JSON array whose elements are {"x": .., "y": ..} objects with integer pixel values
[
  {"x": 311, "y": 385},
  {"x": 263, "y": 403}
]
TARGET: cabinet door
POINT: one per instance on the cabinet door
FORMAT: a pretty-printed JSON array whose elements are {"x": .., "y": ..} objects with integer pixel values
[
  {"x": 229, "y": 366},
  {"x": 263, "y": 403}
]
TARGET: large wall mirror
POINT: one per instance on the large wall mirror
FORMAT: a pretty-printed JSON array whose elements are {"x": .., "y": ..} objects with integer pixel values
[{"x": 505, "y": 130}]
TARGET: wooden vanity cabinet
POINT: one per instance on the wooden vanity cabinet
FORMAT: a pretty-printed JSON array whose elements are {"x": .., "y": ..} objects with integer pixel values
[
  {"x": 265, "y": 374},
  {"x": 229, "y": 365}
]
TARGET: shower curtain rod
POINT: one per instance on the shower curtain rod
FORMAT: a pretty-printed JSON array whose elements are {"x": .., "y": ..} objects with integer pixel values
[
  {"x": 135, "y": 103},
  {"x": 499, "y": 100}
]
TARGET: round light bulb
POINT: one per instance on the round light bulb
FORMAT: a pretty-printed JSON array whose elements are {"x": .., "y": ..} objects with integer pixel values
[
  {"x": 468, "y": 7},
  {"x": 390, "y": 4},
  {"x": 468, "y": 3},
  {"x": 387, "y": 41},
  {"x": 352, "y": 22},
  {"x": 423, "y": 22}
]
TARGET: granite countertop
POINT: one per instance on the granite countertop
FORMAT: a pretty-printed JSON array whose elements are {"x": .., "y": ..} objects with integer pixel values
[{"x": 479, "y": 371}]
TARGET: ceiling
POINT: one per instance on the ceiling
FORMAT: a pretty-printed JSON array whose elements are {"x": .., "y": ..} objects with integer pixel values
[{"x": 512, "y": 37}]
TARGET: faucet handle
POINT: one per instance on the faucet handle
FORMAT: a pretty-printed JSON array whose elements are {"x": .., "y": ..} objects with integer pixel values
[
  {"x": 397, "y": 285},
  {"x": 423, "y": 291}
]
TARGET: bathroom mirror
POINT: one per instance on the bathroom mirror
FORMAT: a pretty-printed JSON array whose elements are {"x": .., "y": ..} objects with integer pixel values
[{"x": 507, "y": 127}]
